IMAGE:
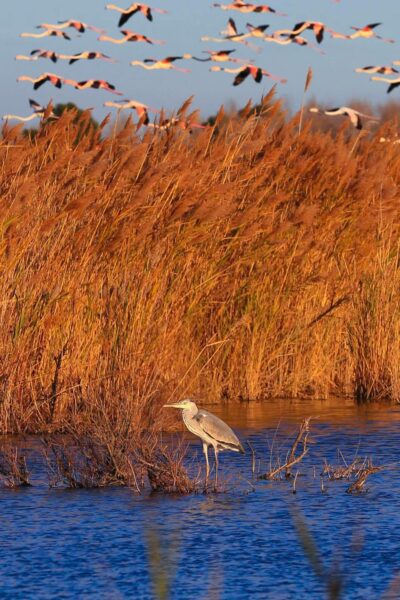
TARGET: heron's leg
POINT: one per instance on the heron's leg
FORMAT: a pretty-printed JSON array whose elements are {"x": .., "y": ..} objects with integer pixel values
[
  {"x": 205, "y": 450},
  {"x": 216, "y": 466}
]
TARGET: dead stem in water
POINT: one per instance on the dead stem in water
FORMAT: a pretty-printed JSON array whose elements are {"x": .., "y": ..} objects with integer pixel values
[{"x": 291, "y": 459}]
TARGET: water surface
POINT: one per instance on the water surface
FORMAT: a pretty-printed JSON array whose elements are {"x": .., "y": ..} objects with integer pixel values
[{"x": 239, "y": 544}]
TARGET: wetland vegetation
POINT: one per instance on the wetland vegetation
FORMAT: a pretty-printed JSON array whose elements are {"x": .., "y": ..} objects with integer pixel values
[{"x": 238, "y": 263}]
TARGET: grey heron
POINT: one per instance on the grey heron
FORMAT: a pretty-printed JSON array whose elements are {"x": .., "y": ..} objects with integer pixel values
[{"x": 210, "y": 429}]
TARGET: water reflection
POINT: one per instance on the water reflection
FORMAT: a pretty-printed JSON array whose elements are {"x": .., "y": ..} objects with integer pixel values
[{"x": 257, "y": 415}]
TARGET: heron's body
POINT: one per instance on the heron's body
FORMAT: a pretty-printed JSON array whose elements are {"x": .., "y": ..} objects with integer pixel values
[{"x": 210, "y": 429}]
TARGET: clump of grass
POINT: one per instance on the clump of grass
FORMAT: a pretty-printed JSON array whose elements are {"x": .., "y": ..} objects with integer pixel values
[
  {"x": 345, "y": 471},
  {"x": 359, "y": 470},
  {"x": 358, "y": 484},
  {"x": 118, "y": 446},
  {"x": 163, "y": 464},
  {"x": 82, "y": 461},
  {"x": 13, "y": 469}
]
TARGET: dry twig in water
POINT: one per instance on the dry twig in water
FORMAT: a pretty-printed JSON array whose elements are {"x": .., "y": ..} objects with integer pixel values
[{"x": 292, "y": 459}]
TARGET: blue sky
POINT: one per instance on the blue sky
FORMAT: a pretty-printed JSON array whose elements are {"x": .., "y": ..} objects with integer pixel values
[{"x": 187, "y": 20}]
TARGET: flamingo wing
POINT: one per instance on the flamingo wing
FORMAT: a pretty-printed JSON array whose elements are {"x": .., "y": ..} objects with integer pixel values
[
  {"x": 40, "y": 82},
  {"x": 35, "y": 106},
  {"x": 320, "y": 35},
  {"x": 392, "y": 86},
  {"x": 126, "y": 16},
  {"x": 258, "y": 75},
  {"x": 231, "y": 28},
  {"x": 241, "y": 76}
]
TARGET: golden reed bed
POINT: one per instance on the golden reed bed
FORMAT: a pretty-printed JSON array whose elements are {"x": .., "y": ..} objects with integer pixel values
[{"x": 241, "y": 262}]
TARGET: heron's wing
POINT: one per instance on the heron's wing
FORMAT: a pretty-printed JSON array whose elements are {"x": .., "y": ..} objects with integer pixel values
[{"x": 218, "y": 430}]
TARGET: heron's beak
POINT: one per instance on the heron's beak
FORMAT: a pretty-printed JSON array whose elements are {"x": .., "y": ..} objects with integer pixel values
[{"x": 172, "y": 406}]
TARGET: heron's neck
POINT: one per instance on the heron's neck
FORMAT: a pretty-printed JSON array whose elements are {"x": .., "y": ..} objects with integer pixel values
[{"x": 189, "y": 413}]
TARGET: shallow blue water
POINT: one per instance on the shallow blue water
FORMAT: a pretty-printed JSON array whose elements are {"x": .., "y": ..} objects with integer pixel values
[{"x": 234, "y": 545}]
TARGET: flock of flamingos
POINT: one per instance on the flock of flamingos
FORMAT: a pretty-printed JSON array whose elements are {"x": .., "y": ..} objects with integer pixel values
[{"x": 240, "y": 68}]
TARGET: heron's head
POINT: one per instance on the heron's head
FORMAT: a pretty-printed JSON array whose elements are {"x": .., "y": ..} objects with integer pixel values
[{"x": 185, "y": 404}]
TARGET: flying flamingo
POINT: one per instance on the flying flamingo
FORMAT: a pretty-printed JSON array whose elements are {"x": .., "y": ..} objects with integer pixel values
[
  {"x": 54, "y": 56},
  {"x": 184, "y": 124},
  {"x": 47, "y": 33},
  {"x": 257, "y": 32},
  {"x": 38, "y": 111},
  {"x": 50, "y": 77},
  {"x": 394, "y": 83},
  {"x": 127, "y": 13},
  {"x": 381, "y": 70},
  {"x": 366, "y": 32},
  {"x": 286, "y": 41},
  {"x": 231, "y": 34},
  {"x": 242, "y": 72},
  {"x": 164, "y": 63},
  {"x": 217, "y": 56},
  {"x": 97, "y": 84},
  {"x": 140, "y": 108},
  {"x": 36, "y": 54},
  {"x": 78, "y": 25},
  {"x": 231, "y": 31},
  {"x": 130, "y": 36},
  {"x": 317, "y": 27},
  {"x": 245, "y": 7},
  {"x": 345, "y": 111},
  {"x": 88, "y": 56}
]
